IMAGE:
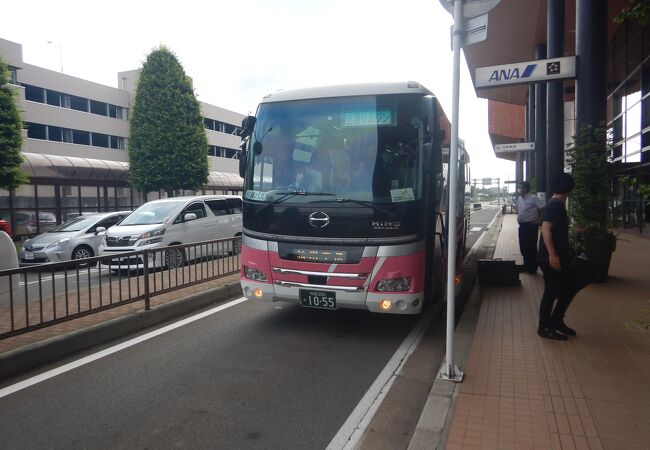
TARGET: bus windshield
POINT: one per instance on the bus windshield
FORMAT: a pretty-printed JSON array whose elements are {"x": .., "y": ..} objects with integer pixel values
[{"x": 366, "y": 149}]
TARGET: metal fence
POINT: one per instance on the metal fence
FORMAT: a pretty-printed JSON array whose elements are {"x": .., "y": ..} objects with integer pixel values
[{"x": 42, "y": 295}]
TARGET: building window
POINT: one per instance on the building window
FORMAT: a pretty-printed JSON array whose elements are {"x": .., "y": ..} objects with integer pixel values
[
  {"x": 117, "y": 142},
  {"x": 223, "y": 152},
  {"x": 100, "y": 140},
  {"x": 53, "y": 98},
  {"x": 36, "y": 131},
  {"x": 78, "y": 103},
  {"x": 13, "y": 75},
  {"x": 80, "y": 137},
  {"x": 99, "y": 108},
  {"x": 34, "y": 93},
  {"x": 67, "y": 135},
  {"x": 54, "y": 133},
  {"x": 221, "y": 127},
  {"x": 117, "y": 112}
]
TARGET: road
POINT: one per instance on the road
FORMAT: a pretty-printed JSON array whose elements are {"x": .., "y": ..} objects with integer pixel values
[
  {"x": 479, "y": 221},
  {"x": 253, "y": 375},
  {"x": 245, "y": 375}
]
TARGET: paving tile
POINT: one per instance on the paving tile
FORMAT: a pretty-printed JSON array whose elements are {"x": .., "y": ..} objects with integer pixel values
[{"x": 589, "y": 392}]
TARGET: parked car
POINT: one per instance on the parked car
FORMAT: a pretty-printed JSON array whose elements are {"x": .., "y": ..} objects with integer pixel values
[
  {"x": 75, "y": 239},
  {"x": 174, "y": 221},
  {"x": 28, "y": 223}
]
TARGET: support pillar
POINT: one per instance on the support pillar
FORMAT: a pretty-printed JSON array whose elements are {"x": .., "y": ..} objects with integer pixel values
[
  {"x": 530, "y": 133},
  {"x": 591, "y": 47},
  {"x": 519, "y": 168},
  {"x": 540, "y": 129},
  {"x": 555, "y": 95}
]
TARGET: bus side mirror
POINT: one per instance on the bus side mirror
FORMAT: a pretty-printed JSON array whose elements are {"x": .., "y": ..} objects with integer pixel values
[
  {"x": 247, "y": 126},
  {"x": 428, "y": 112},
  {"x": 242, "y": 165}
]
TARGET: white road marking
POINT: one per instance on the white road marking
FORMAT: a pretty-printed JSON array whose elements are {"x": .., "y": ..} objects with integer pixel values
[
  {"x": 114, "y": 349},
  {"x": 349, "y": 434},
  {"x": 82, "y": 273},
  {"x": 475, "y": 229}
]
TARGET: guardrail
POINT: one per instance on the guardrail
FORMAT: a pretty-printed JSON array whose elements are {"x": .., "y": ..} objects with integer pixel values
[{"x": 43, "y": 295}]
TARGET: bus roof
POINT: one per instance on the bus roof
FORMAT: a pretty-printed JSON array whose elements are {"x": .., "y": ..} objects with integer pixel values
[{"x": 347, "y": 90}]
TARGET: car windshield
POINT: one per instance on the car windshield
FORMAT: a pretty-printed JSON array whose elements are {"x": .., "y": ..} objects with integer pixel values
[
  {"x": 354, "y": 148},
  {"x": 76, "y": 224},
  {"x": 152, "y": 213}
]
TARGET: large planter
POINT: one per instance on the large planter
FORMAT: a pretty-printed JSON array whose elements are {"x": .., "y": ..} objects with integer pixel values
[{"x": 599, "y": 252}]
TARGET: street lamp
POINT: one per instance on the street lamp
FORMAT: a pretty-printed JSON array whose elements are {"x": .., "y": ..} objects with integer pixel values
[{"x": 60, "y": 53}]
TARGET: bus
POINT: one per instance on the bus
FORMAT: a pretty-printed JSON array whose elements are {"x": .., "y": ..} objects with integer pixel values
[{"x": 345, "y": 198}]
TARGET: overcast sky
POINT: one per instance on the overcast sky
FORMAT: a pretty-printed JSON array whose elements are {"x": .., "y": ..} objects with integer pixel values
[{"x": 238, "y": 51}]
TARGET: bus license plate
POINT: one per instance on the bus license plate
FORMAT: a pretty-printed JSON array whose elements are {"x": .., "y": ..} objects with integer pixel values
[{"x": 318, "y": 299}]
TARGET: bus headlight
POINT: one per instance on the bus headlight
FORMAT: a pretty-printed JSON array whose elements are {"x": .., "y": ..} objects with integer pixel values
[
  {"x": 254, "y": 274},
  {"x": 394, "y": 285}
]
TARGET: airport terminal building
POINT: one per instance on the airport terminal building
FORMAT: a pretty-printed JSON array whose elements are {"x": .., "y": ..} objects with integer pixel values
[
  {"x": 75, "y": 147},
  {"x": 611, "y": 87}
]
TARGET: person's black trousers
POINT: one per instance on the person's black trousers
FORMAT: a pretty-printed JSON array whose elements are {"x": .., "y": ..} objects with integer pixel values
[
  {"x": 558, "y": 285},
  {"x": 528, "y": 235}
]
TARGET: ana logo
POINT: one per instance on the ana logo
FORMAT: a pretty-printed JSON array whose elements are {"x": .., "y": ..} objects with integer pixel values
[
  {"x": 512, "y": 74},
  {"x": 386, "y": 225}
]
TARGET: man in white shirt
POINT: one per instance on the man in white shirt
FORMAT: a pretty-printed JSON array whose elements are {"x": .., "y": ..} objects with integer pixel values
[{"x": 529, "y": 210}]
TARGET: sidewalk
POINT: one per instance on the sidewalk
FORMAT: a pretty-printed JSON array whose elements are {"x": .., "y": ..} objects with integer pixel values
[{"x": 521, "y": 391}]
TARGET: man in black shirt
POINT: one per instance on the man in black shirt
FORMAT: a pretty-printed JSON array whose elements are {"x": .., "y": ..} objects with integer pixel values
[{"x": 554, "y": 258}]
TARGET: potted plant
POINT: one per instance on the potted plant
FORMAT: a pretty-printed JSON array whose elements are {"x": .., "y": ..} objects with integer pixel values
[{"x": 588, "y": 157}]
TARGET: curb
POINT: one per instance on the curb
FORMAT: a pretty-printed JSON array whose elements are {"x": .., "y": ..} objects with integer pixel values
[
  {"x": 432, "y": 428},
  {"x": 20, "y": 360}
]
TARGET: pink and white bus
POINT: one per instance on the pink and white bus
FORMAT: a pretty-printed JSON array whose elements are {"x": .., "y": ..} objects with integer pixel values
[{"x": 344, "y": 198}]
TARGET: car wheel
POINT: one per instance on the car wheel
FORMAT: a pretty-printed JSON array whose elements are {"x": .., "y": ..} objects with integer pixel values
[
  {"x": 82, "y": 252},
  {"x": 174, "y": 258}
]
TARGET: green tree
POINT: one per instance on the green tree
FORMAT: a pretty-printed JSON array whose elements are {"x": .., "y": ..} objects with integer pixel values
[
  {"x": 11, "y": 138},
  {"x": 168, "y": 147},
  {"x": 636, "y": 9}
]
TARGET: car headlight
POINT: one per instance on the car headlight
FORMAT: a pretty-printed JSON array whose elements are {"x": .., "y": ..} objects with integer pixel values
[
  {"x": 150, "y": 241},
  {"x": 254, "y": 274},
  {"x": 59, "y": 243},
  {"x": 150, "y": 234},
  {"x": 394, "y": 285}
]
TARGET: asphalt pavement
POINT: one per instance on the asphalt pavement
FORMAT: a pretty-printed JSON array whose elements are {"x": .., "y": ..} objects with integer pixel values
[
  {"x": 254, "y": 375},
  {"x": 250, "y": 376},
  {"x": 479, "y": 221}
]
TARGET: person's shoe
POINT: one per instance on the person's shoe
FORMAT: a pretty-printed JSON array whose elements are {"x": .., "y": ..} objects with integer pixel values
[
  {"x": 565, "y": 330},
  {"x": 550, "y": 333}
]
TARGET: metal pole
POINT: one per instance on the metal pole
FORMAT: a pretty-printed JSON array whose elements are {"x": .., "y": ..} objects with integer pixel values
[
  {"x": 498, "y": 192},
  {"x": 451, "y": 372}
]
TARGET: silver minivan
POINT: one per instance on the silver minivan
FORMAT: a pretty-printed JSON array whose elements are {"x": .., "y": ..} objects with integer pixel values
[{"x": 174, "y": 221}]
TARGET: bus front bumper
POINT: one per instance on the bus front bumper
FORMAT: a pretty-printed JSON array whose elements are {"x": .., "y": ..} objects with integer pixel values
[{"x": 390, "y": 302}]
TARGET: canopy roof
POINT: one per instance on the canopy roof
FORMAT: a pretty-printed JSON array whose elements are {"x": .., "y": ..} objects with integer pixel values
[{"x": 58, "y": 167}]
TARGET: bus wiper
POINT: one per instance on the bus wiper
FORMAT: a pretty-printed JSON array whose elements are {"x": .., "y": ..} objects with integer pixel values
[
  {"x": 365, "y": 203},
  {"x": 290, "y": 194}
]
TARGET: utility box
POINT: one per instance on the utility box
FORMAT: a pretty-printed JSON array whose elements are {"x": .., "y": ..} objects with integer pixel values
[{"x": 498, "y": 272}]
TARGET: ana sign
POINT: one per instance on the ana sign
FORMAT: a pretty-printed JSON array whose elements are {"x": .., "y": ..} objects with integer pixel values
[
  {"x": 526, "y": 72},
  {"x": 511, "y": 148}
]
